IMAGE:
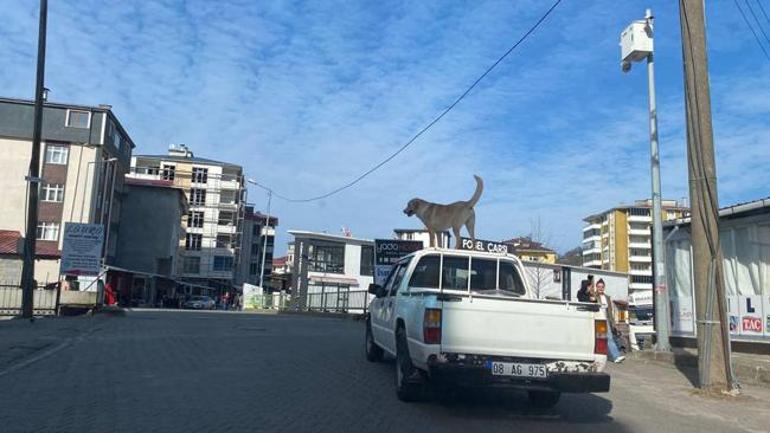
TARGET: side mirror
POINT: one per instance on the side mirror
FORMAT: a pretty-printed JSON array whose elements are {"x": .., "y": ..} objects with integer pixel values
[{"x": 375, "y": 289}]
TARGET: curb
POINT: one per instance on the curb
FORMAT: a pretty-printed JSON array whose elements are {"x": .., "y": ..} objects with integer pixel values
[
  {"x": 322, "y": 314},
  {"x": 747, "y": 370}
]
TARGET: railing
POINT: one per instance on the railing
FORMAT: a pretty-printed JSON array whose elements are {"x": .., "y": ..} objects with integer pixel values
[
  {"x": 45, "y": 302},
  {"x": 338, "y": 301}
]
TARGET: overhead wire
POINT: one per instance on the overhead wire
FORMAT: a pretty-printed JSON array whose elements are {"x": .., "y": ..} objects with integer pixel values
[
  {"x": 748, "y": 23},
  {"x": 424, "y": 129},
  {"x": 759, "y": 24}
]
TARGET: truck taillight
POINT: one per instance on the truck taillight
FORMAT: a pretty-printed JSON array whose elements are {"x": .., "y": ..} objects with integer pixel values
[
  {"x": 431, "y": 326},
  {"x": 600, "y": 339}
]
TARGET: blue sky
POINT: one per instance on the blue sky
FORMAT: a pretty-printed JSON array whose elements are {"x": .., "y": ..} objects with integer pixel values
[{"x": 306, "y": 95}]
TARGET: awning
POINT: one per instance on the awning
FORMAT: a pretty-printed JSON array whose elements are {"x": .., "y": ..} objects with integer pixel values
[{"x": 333, "y": 280}]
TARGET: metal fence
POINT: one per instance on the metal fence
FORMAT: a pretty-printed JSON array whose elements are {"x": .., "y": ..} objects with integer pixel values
[
  {"x": 44, "y": 301},
  {"x": 339, "y": 301}
]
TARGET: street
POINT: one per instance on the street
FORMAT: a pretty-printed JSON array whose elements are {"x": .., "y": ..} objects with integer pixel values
[{"x": 166, "y": 371}]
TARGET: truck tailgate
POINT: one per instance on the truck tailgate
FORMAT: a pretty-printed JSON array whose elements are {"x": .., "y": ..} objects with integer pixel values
[{"x": 487, "y": 325}]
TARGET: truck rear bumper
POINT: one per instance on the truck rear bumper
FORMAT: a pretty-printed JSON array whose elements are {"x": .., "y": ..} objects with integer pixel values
[{"x": 478, "y": 376}]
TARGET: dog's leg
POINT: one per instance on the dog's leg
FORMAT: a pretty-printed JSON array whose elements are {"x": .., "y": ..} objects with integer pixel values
[
  {"x": 432, "y": 241},
  {"x": 458, "y": 240},
  {"x": 470, "y": 224}
]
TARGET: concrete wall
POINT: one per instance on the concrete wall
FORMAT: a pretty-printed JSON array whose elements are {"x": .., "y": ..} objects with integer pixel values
[
  {"x": 150, "y": 227},
  {"x": 16, "y": 120},
  {"x": 14, "y": 160}
]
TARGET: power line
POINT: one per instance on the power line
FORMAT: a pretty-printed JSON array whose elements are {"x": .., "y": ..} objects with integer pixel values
[
  {"x": 762, "y": 8},
  {"x": 425, "y": 128},
  {"x": 762, "y": 29},
  {"x": 759, "y": 42}
]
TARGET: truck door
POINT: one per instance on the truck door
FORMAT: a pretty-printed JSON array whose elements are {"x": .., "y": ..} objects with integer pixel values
[{"x": 389, "y": 306}]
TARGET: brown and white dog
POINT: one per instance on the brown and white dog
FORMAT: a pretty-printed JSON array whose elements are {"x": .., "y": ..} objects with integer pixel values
[{"x": 440, "y": 217}]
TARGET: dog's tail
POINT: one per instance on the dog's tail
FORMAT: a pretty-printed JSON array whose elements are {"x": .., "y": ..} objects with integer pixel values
[{"x": 477, "y": 194}]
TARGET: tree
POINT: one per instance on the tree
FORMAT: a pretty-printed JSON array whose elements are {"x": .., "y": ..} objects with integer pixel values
[{"x": 540, "y": 276}]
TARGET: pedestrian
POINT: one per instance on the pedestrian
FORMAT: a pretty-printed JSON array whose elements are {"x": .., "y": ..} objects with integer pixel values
[
  {"x": 606, "y": 302},
  {"x": 586, "y": 292}
]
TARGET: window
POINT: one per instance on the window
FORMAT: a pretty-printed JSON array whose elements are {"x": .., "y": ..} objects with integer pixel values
[
  {"x": 223, "y": 263},
  {"x": 510, "y": 280},
  {"x": 200, "y": 175},
  {"x": 640, "y": 267},
  {"x": 639, "y": 239},
  {"x": 639, "y": 226},
  {"x": 327, "y": 258},
  {"x": 56, "y": 154},
  {"x": 228, "y": 196},
  {"x": 639, "y": 252},
  {"x": 193, "y": 241},
  {"x": 425, "y": 274},
  {"x": 224, "y": 241},
  {"x": 53, "y": 192},
  {"x": 197, "y": 197},
  {"x": 590, "y": 233},
  {"x": 642, "y": 279},
  {"x": 639, "y": 211},
  {"x": 455, "y": 273},
  {"x": 169, "y": 172},
  {"x": 192, "y": 265},
  {"x": 48, "y": 231},
  {"x": 483, "y": 274},
  {"x": 367, "y": 260},
  {"x": 226, "y": 218},
  {"x": 78, "y": 119},
  {"x": 395, "y": 284},
  {"x": 254, "y": 268},
  {"x": 195, "y": 219}
]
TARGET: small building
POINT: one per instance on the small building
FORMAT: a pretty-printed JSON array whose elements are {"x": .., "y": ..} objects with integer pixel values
[
  {"x": 744, "y": 233},
  {"x": 331, "y": 269},
  {"x": 422, "y": 235},
  {"x": 531, "y": 251},
  {"x": 147, "y": 260},
  {"x": 256, "y": 231}
]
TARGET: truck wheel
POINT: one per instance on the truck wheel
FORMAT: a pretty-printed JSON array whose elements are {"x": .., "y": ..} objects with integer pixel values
[
  {"x": 409, "y": 381},
  {"x": 544, "y": 399},
  {"x": 374, "y": 352}
]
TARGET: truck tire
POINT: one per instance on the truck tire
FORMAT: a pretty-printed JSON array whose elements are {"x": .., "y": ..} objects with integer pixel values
[
  {"x": 374, "y": 352},
  {"x": 543, "y": 399},
  {"x": 409, "y": 381}
]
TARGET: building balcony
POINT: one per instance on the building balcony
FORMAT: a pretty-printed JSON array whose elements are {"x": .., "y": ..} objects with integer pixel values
[
  {"x": 593, "y": 264},
  {"x": 640, "y": 286},
  {"x": 593, "y": 250},
  {"x": 640, "y": 259},
  {"x": 645, "y": 272},
  {"x": 594, "y": 238},
  {"x": 639, "y": 232},
  {"x": 640, "y": 245},
  {"x": 639, "y": 219},
  {"x": 592, "y": 226}
]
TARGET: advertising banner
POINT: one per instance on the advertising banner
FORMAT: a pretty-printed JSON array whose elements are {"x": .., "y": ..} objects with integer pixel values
[
  {"x": 734, "y": 314},
  {"x": 682, "y": 316},
  {"x": 82, "y": 249},
  {"x": 751, "y": 315},
  {"x": 387, "y": 252},
  {"x": 252, "y": 297},
  {"x": 485, "y": 246}
]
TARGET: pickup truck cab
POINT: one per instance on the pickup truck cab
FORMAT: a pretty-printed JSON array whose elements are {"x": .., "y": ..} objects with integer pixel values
[{"x": 467, "y": 319}]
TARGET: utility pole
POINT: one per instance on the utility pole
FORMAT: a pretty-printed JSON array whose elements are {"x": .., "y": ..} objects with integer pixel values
[
  {"x": 33, "y": 178},
  {"x": 264, "y": 244},
  {"x": 632, "y": 51},
  {"x": 714, "y": 363}
]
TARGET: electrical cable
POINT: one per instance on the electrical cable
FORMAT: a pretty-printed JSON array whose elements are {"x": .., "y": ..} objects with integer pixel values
[{"x": 745, "y": 19}]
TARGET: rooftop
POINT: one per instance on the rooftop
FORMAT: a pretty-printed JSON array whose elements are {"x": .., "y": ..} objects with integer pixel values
[
  {"x": 177, "y": 158},
  {"x": 327, "y": 236},
  {"x": 759, "y": 206}
]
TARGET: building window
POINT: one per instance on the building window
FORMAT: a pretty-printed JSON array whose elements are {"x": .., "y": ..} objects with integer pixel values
[
  {"x": 193, "y": 242},
  {"x": 197, "y": 197},
  {"x": 367, "y": 260},
  {"x": 48, "y": 231},
  {"x": 640, "y": 267},
  {"x": 200, "y": 175},
  {"x": 226, "y": 218},
  {"x": 78, "y": 119},
  {"x": 640, "y": 252},
  {"x": 223, "y": 263},
  {"x": 591, "y": 233},
  {"x": 224, "y": 241},
  {"x": 169, "y": 172},
  {"x": 53, "y": 192},
  {"x": 254, "y": 268},
  {"x": 195, "y": 219},
  {"x": 639, "y": 211},
  {"x": 641, "y": 279},
  {"x": 228, "y": 196},
  {"x": 56, "y": 154},
  {"x": 327, "y": 258},
  {"x": 192, "y": 265}
]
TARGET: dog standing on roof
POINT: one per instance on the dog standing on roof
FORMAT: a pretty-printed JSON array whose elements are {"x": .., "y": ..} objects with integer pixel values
[{"x": 440, "y": 217}]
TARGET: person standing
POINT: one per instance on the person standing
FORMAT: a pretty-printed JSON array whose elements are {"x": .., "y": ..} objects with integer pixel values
[{"x": 606, "y": 302}]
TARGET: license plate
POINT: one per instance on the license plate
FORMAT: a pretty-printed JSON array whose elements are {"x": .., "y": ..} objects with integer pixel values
[{"x": 517, "y": 369}]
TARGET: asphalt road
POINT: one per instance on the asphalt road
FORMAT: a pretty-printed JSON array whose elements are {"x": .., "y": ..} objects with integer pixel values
[{"x": 230, "y": 372}]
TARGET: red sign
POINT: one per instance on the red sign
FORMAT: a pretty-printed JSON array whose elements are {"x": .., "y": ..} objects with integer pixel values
[{"x": 753, "y": 324}]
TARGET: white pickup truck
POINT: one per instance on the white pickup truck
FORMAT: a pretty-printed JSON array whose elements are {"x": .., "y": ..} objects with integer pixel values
[{"x": 467, "y": 319}]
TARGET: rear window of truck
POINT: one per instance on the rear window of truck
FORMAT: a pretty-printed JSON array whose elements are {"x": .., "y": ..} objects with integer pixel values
[{"x": 484, "y": 274}]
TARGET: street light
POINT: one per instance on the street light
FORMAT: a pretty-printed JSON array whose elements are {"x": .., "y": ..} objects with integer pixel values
[
  {"x": 267, "y": 231},
  {"x": 636, "y": 44}
]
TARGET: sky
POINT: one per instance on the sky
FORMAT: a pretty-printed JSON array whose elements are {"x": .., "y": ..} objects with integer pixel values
[{"x": 308, "y": 95}]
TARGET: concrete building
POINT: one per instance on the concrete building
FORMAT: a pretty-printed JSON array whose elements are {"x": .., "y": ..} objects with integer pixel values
[
  {"x": 532, "y": 251},
  {"x": 85, "y": 152},
  {"x": 147, "y": 262},
  {"x": 744, "y": 234},
  {"x": 325, "y": 263},
  {"x": 620, "y": 239},
  {"x": 422, "y": 235},
  {"x": 210, "y": 251},
  {"x": 254, "y": 233}
]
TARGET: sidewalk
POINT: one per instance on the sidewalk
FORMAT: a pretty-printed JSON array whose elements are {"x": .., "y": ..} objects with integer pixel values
[
  {"x": 22, "y": 340},
  {"x": 749, "y": 368}
]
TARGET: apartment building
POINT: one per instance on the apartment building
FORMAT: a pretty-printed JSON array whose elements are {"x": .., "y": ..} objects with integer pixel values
[
  {"x": 255, "y": 233},
  {"x": 531, "y": 251},
  {"x": 85, "y": 151},
  {"x": 620, "y": 239},
  {"x": 210, "y": 251}
]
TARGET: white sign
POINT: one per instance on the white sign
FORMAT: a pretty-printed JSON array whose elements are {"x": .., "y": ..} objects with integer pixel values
[
  {"x": 750, "y": 308},
  {"x": 82, "y": 250},
  {"x": 252, "y": 297}
]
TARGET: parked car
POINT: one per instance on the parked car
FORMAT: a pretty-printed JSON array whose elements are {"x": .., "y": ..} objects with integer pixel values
[
  {"x": 456, "y": 318},
  {"x": 200, "y": 303}
]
